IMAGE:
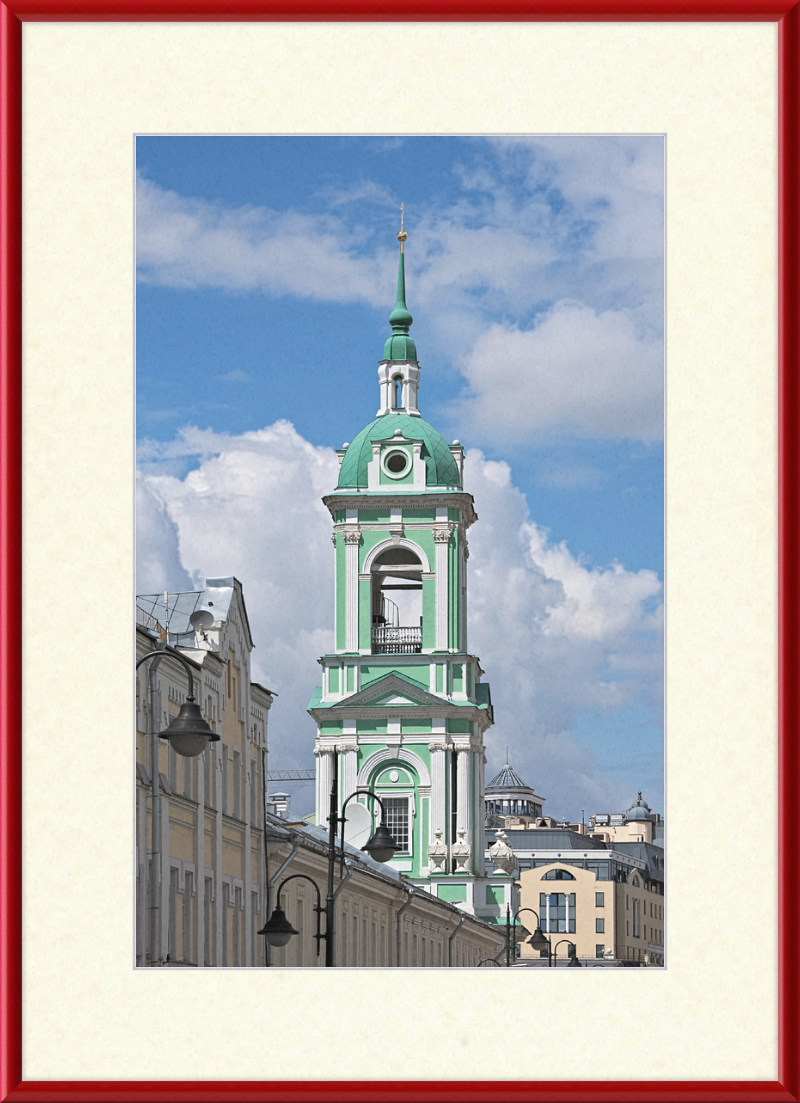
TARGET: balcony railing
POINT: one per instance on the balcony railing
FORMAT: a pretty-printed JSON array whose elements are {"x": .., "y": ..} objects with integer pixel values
[{"x": 396, "y": 641}]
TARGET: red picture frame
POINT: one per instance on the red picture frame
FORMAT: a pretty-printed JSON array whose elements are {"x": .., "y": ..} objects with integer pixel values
[{"x": 12, "y": 15}]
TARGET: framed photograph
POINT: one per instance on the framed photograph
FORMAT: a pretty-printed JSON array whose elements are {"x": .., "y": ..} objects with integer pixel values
[{"x": 719, "y": 86}]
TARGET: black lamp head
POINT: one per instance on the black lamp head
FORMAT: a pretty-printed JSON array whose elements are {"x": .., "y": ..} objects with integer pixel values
[
  {"x": 278, "y": 930},
  {"x": 381, "y": 846},
  {"x": 188, "y": 732}
]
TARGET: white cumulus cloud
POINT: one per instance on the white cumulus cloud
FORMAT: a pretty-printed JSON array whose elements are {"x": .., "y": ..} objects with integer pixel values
[{"x": 576, "y": 370}]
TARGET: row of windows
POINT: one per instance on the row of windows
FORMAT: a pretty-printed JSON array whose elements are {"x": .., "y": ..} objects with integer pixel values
[
  {"x": 181, "y": 946},
  {"x": 557, "y": 912}
]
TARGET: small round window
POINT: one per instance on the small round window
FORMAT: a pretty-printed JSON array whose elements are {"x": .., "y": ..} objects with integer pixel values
[{"x": 396, "y": 463}]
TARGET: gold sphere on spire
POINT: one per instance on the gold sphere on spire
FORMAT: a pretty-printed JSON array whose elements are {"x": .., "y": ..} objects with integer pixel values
[{"x": 402, "y": 236}]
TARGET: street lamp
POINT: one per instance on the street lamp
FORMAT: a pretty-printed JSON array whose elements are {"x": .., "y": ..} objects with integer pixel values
[
  {"x": 572, "y": 954},
  {"x": 537, "y": 940},
  {"x": 189, "y": 734},
  {"x": 381, "y": 847},
  {"x": 278, "y": 930},
  {"x": 491, "y": 961}
]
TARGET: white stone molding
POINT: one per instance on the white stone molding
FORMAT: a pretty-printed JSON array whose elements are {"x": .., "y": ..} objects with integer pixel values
[
  {"x": 502, "y": 854},
  {"x": 401, "y": 753},
  {"x": 461, "y": 852},
  {"x": 352, "y": 539},
  {"x": 437, "y": 853},
  {"x": 420, "y": 467},
  {"x": 404, "y": 542}
]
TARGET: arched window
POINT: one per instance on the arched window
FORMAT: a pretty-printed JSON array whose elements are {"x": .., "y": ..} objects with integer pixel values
[
  {"x": 558, "y": 875},
  {"x": 397, "y": 384},
  {"x": 396, "y": 620}
]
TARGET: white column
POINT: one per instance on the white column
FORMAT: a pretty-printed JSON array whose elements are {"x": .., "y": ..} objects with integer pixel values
[
  {"x": 438, "y": 781},
  {"x": 349, "y": 761},
  {"x": 464, "y": 797},
  {"x": 479, "y": 832},
  {"x": 351, "y": 542},
  {"x": 324, "y": 779},
  {"x": 441, "y": 536}
]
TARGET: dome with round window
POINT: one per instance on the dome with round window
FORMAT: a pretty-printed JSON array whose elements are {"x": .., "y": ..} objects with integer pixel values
[{"x": 441, "y": 466}]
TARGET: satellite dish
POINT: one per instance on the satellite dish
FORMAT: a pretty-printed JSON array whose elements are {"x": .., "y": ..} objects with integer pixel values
[
  {"x": 358, "y": 826},
  {"x": 201, "y": 619}
]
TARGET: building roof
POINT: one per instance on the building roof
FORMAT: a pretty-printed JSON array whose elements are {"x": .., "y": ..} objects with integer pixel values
[
  {"x": 507, "y": 779},
  {"x": 646, "y": 852},
  {"x": 173, "y": 612},
  {"x": 441, "y": 466},
  {"x": 549, "y": 838}
]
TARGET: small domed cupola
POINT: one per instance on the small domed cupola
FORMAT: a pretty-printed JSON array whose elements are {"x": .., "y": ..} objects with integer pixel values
[
  {"x": 399, "y": 371},
  {"x": 639, "y": 812}
]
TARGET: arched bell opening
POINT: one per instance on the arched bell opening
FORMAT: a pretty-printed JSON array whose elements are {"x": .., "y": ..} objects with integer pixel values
[{"x": 396, "y": 602}]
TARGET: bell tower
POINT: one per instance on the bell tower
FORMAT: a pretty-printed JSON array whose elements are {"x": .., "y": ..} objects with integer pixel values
[{"x": 402, "y": 702}]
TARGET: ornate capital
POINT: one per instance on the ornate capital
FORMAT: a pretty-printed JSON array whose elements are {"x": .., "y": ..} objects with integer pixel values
[
  {"x": 323, "y": 750},
  {"x": 441, "y": 535},
  {"x": 333, "y": 539},
  {"x": 351, "y": 536},
  {"x": 345, "y": 748},
  {"x": 438, "y": 746}
]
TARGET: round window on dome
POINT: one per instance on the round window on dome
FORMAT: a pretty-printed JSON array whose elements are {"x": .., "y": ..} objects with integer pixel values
[{"x": 396, "y": 463}]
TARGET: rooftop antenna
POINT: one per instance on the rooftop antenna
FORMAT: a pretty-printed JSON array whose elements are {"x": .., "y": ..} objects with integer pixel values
[{"x": 166, "y": 613}]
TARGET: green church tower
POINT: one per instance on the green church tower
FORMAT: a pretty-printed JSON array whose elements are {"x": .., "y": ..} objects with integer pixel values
[{"x": 402, "y": 703}]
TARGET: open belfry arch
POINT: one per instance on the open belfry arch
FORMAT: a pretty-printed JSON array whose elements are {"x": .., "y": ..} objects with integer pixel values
[{"x": 402, "y": 702}]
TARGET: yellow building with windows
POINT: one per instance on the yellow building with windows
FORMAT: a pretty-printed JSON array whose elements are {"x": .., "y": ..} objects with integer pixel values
[
  {"x": 619, "y": 920},
  {"x": 211, "y": 893}
]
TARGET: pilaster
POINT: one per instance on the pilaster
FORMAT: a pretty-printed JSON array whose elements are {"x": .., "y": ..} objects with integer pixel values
[
  {"x": 441, "y": 537},
  {"x": 352, "y": 539}
]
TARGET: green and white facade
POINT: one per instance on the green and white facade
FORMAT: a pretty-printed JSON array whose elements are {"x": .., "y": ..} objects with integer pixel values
[{"x": 402, "y": 702}]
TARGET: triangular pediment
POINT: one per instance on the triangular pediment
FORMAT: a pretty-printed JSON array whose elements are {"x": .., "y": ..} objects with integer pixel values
[{"x": 393, "y": 691}]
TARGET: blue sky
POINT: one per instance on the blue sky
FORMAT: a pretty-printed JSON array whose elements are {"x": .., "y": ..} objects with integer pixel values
[{"x": 266, "y": 274}]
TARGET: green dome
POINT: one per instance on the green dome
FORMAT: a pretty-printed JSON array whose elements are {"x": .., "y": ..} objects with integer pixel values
[
  {"x": 400, "y": 346},
  {"x": 442, "y": 469}
]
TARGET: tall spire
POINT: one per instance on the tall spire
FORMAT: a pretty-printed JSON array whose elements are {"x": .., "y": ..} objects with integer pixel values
[{"x": 400, "y": 346}]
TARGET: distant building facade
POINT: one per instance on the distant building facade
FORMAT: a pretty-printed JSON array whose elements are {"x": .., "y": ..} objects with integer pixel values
[{"x": 598, "y": 886}]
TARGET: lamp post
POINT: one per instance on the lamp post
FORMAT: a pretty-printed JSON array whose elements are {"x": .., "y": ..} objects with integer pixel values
[
  {"x": 491, "y": 962},
  {"x": 537, "y": 939},
  {"x": 573, "y": 955},
  {"x": 380, "y": 846},
  {"x": 189, "y": 734}
]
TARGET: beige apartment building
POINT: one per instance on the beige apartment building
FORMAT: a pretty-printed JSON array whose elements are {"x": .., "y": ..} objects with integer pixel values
[
  {"x": 211, "y": 897},
  {"x": 621, "y": 918}
]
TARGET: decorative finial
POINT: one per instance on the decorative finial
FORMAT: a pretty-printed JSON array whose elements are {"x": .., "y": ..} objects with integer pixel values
[
  {"x": 639, "y": 801},
  {"x": 402, "y": 237}
]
